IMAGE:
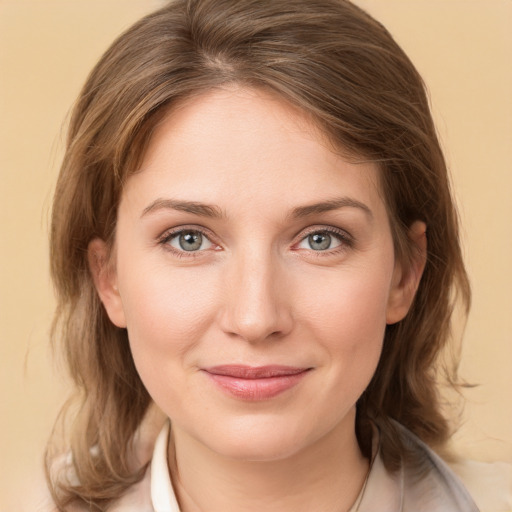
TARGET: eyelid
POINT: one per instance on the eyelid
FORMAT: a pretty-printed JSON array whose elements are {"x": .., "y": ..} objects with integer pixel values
[{"x": 342, "y": 233}]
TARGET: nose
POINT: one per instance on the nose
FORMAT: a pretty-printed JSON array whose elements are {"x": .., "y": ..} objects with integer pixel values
[{"x": 257, "y": 303}]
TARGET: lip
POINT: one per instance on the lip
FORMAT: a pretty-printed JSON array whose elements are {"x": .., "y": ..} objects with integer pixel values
[{"x": 253, "y": 383}]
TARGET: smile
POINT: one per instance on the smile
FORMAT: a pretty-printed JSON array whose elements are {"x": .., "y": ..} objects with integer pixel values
[{"x": 255, "y": 383}]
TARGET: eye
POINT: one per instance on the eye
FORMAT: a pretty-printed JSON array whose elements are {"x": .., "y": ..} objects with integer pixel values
[
  {"x": 188, "y": 240},
  {"x": 321, "y": 241}
]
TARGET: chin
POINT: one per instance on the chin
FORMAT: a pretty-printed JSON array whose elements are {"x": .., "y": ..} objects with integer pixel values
[
  {"x": 263, "y": 439},
  {"x": 268, "y": 450}
]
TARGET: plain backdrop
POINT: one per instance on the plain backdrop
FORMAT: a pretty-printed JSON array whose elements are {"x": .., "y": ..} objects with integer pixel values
[{"x": 463, "y": 49}]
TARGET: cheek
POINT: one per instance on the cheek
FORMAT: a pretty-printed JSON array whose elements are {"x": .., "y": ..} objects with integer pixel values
[
  {"x": 167, "y": 315},
  {"x": 348, "y": 300},
  {"x": 347, "y": 314},
  {"x": 167, "y": 312}
]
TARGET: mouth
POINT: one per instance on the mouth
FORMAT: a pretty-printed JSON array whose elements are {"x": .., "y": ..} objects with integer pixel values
[{"x": 255, "y": 383}]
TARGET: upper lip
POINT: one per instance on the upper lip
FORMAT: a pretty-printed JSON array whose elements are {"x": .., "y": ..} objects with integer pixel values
[{"x": 254, "y": 372}]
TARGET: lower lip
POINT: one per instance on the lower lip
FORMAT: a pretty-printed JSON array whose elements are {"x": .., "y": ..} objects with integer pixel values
[{"x": 256, "y": 389}]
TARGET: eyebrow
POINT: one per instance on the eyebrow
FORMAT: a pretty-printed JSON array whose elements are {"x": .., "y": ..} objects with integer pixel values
[
  {"x": 212, "y": 211},
  {"x": 332, "y": 204},
  {"x": 204, "y": 210}
]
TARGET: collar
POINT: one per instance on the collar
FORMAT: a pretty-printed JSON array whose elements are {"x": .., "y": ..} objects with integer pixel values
[{"x": 162, "y": 493}]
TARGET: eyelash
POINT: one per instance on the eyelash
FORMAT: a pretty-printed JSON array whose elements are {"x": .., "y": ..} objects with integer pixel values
[{"x": 345, "y": 239}]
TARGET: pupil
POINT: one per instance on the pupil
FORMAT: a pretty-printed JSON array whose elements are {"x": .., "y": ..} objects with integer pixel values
[
  {"x": 190, "y": 241},
  {"x": 320, "y": 241}
]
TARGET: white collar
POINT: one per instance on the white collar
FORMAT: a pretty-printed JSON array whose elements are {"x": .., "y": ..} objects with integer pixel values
[{"x": 162, "y": 493}]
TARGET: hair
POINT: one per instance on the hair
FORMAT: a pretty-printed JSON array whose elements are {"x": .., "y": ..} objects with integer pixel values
[{"x": 341, "y": 68}]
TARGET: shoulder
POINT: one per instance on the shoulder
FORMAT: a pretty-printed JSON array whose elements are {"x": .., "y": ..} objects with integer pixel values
[
  {"x": 421, "y": 483},
  {"x": 428, "y": 480},
  {"x": 465, "y": 485},
  {"x": 136, "y": 499},
  {"x": 489, "y": 483}
]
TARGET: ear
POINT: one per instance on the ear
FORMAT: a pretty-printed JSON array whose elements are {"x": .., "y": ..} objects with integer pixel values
[
  {"x": 105, "y": 281},
  {"x": 407, "y": 276}
]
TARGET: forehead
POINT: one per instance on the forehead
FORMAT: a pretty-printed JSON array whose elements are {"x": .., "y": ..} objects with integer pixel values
[{"x": 248, "y": 144}]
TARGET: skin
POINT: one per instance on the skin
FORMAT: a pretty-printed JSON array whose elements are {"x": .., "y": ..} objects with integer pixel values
[{"x": 256, "y": 292}]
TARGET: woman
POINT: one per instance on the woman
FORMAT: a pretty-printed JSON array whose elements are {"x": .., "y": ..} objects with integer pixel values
[{"x": 253, "y": 233}]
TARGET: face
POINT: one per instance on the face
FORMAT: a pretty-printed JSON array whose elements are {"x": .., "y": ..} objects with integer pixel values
[{"x": 255, "y": 273}]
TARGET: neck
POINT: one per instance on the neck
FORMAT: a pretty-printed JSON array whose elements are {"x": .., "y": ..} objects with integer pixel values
[{"x": 325, "y": 476}]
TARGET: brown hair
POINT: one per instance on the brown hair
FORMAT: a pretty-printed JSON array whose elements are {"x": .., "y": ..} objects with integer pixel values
[{"x": 342, "y": 68}]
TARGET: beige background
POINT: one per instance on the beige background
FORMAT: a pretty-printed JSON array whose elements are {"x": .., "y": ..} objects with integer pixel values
[{"x": 463, "y": 48}]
